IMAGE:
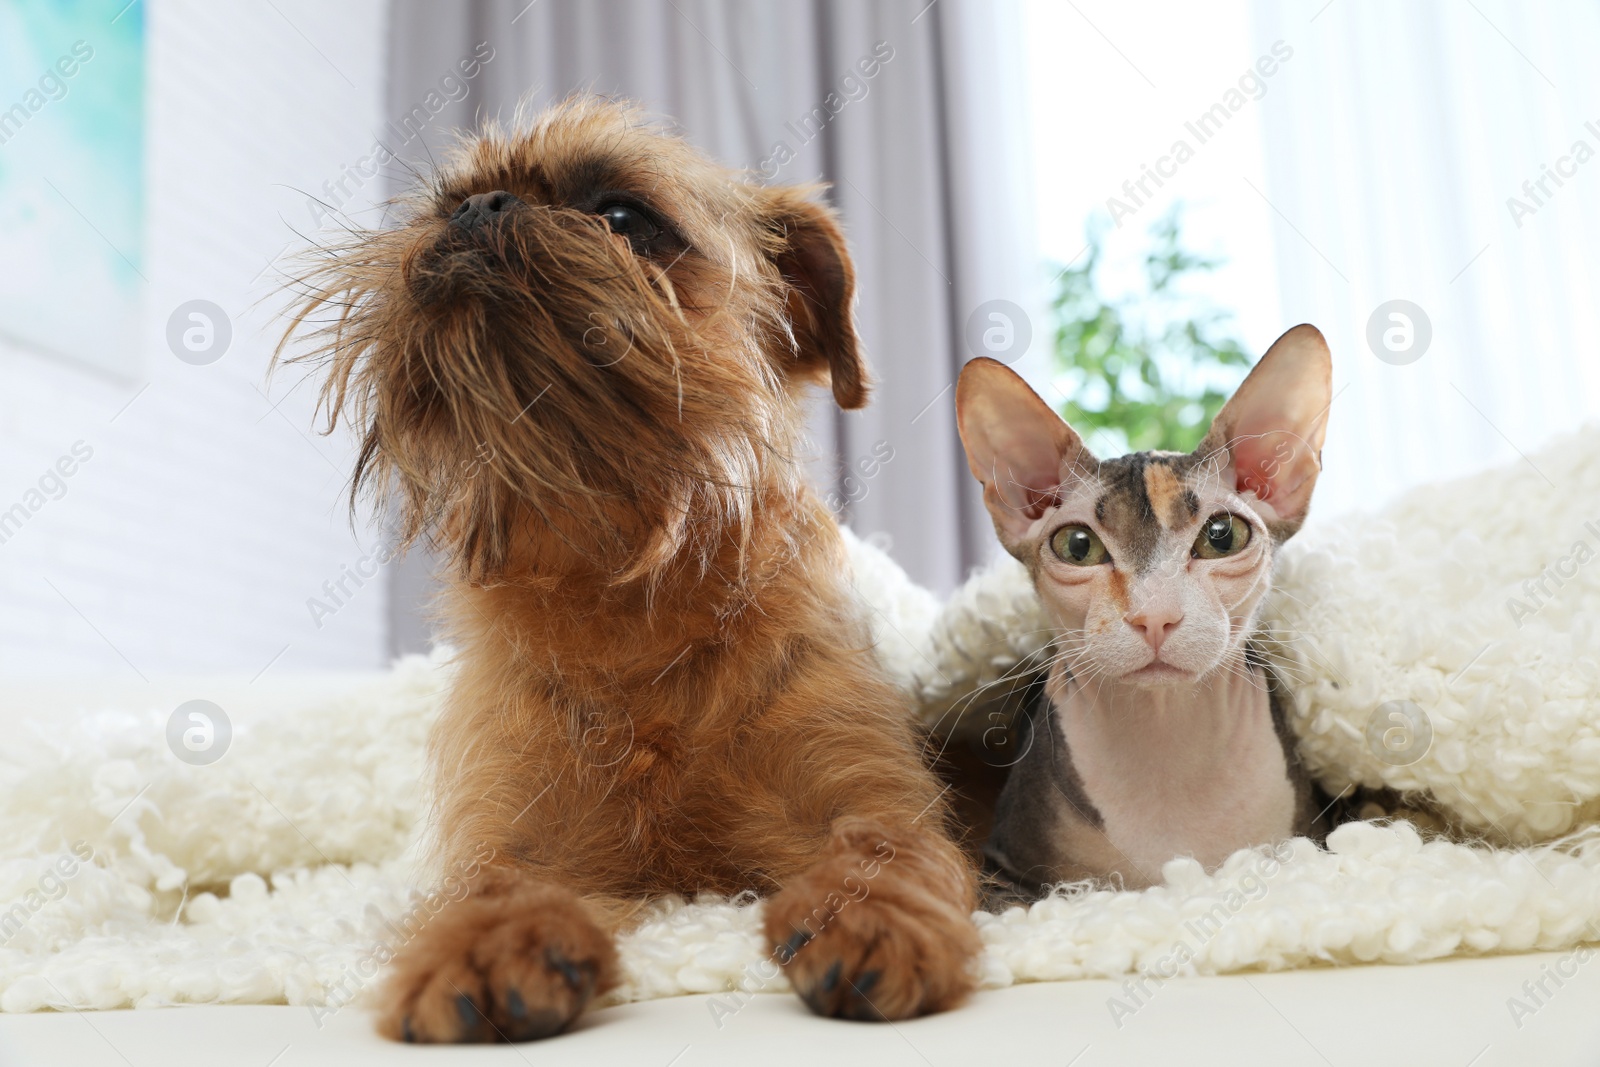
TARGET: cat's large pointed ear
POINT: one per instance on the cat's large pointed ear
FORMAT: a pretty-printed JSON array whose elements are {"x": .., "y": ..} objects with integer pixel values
[
  {"x": 1267, "y": 439},
  {"x": 1017, "y": 447}
]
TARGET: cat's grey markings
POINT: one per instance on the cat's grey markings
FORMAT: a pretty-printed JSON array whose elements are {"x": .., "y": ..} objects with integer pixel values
[
  {"x": 1021, "y": 825},
  {"x": 1125, "y": 506},
  {"x": 1311, "y": 803}
]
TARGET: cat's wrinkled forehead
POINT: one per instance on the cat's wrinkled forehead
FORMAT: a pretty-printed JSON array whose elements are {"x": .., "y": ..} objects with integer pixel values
[{"x": 1140, "y": 497}]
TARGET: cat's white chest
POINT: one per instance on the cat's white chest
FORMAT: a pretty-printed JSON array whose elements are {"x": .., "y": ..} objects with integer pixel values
[{"x": 1201, "y": 780}]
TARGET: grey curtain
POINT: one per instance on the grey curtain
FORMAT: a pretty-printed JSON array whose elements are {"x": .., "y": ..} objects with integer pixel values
[{"x": 912, "y": 111}]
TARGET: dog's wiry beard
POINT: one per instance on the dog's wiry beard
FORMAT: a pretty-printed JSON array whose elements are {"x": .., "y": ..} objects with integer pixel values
[{"x": 549, "y": 389}]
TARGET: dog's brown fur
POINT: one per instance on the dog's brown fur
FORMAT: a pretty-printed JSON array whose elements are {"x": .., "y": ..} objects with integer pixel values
[{"x": 665, "y": 685}]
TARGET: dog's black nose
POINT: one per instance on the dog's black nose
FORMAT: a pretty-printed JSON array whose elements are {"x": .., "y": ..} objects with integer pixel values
[{"x": 480, "y": 208}]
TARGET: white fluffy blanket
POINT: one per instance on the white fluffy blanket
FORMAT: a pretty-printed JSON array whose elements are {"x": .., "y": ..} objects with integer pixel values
[{"x": 278, "y": 874}]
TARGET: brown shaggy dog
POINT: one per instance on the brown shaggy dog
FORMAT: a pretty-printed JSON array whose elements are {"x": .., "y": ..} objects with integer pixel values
[{"x": 578, "y": 366}]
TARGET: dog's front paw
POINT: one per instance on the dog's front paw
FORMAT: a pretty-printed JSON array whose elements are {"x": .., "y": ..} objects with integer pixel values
[
  {"x": 893, "y": 946},
  {"x": 509, "y": 966}
]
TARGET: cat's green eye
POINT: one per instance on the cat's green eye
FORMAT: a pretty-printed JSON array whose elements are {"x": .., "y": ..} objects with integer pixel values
[
  {"x": 1222, "y": 535},
  {"x": 1079, "y": 546}
]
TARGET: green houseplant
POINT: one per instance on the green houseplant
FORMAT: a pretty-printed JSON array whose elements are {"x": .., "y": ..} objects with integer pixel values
[{"x": 1145, "y": 370}]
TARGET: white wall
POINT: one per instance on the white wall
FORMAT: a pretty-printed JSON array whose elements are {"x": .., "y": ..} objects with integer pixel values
[{"x": 193, "y": 537}]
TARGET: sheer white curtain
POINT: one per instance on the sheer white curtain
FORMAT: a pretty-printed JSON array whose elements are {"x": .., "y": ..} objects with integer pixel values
[{"x": 1392, "y": 144}]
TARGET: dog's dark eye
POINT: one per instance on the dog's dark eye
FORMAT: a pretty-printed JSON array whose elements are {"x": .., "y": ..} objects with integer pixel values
[{"x": 628, "y": 222}]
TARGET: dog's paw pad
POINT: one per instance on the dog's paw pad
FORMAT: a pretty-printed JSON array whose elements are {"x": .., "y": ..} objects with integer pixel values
[
  {"x": 857, "y": 1004},
  {"x": 842, "y": 994},
  {"x": 508, "y": 968},
  {"x": 887, "y": 956}
]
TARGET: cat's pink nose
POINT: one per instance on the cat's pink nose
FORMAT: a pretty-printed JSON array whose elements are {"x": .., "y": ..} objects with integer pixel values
[{"x": 1154, "y": 624}]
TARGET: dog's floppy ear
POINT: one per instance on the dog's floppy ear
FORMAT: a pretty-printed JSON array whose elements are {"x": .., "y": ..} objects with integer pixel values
[{"x": 813, "y": 259}]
